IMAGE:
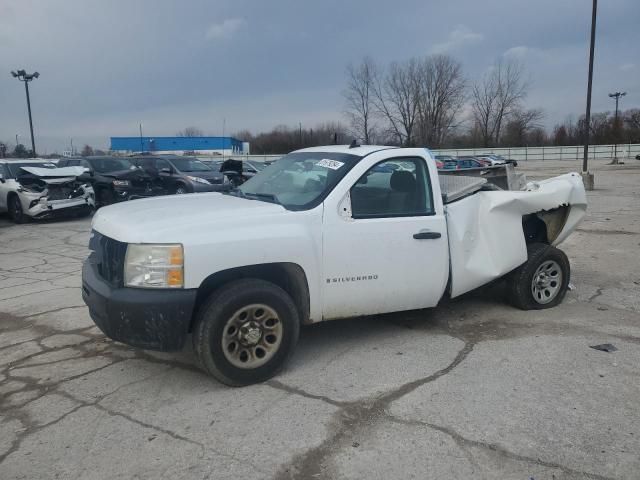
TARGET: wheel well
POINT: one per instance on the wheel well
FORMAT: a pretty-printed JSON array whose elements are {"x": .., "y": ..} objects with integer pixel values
[
  {"x": 544, "y": 226},
  {"x": 288, "y": 276}
]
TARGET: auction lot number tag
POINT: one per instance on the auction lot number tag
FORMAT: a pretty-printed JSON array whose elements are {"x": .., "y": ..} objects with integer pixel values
[{"x": 332, "y": 164}]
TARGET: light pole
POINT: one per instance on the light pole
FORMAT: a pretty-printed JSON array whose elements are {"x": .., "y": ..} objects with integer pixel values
[
  {"x": 26, "y": 78},
  {"x": 587, "y": 177},
  {"x": 616, "y": 129}
]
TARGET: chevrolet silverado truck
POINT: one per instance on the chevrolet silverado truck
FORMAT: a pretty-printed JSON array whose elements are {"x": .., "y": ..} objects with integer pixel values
[{"x": 324, "y": 233}]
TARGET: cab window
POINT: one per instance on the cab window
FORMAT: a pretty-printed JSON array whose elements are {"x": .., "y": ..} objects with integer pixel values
[{"x": 393, "y": 188}]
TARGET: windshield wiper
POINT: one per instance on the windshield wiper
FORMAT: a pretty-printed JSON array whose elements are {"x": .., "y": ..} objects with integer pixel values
[{"x": 269, "y": 197}]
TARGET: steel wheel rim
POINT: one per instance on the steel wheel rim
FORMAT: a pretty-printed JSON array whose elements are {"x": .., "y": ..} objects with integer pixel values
[
  {"x": 180, "y": 191},
  {"x": 252, "y": 336},
  {"x": 546, "y": 282}
]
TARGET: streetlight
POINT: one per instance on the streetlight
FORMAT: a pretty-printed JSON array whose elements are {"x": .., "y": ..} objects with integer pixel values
[
  {"x": 26, "y": 78},
  {"x": 617, "y": 96},
  {"x": 587, "y": 177}
]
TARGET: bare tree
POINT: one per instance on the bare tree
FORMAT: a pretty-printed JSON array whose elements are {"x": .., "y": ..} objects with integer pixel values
[
  {"x": 440, "y": 97},
  {"x": 190, "y": 132},
  {"x": 87, "y": 151},
  {"x": 358, "y": 95},
  {"x": 496, "y": 97},
  {"x": 521, "y": 123},
  {"x": 396, "y": 100}
]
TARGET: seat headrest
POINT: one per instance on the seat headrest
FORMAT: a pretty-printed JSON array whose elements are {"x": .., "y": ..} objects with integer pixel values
[{"x": 403, "y": 181}]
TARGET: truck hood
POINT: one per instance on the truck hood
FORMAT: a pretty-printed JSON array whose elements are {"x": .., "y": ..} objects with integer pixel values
[{"x": 174, "y": 218}]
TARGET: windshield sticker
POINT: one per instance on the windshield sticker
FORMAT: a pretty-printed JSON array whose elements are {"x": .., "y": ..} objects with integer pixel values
[{"x": 332, "y": 164}]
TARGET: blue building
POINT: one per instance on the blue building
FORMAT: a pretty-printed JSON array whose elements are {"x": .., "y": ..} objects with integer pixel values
[{"x": 180, "y": 145}]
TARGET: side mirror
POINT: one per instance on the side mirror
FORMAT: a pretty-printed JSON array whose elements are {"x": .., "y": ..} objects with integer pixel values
[{"x": 2, "y": 180}]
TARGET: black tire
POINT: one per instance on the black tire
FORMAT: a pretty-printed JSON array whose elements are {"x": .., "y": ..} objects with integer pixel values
[
  {"x": 14, "y": 207},
  {"x": 85, "y": 212},
  {"x": 212, "y": 320},
  {"x": 520, "y": 282},
  {"x": 104, "y": 197},
  {"x": 181, "y": 189}
]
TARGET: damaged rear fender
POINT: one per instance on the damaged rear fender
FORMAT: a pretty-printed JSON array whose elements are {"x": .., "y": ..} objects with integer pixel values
[{"x": 486, "y": 236}]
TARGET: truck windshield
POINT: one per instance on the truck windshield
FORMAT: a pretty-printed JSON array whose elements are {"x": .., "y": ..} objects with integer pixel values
[{"x": 299, "y": 181}]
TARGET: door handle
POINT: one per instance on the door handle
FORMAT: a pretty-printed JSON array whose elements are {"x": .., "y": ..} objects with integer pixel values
[{"x": 425, "y": 235}]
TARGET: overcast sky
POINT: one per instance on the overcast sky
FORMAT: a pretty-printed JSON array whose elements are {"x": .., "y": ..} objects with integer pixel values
[{"x": 107, "y": 65}]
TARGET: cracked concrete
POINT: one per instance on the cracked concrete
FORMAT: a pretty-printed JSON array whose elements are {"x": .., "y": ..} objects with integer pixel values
[{"x": 472, "y": 389}]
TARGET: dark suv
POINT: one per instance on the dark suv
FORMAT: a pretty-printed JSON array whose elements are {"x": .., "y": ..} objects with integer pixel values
[
  {"x": 182, "y": 174},
  {"x": 116, "y": 179}
]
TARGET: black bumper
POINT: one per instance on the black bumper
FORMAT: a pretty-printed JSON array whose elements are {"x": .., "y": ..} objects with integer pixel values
[{"x": 149, "y": 319}]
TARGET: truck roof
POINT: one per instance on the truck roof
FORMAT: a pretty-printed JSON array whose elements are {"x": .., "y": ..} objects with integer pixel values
[{"x": 360, "y": 150}]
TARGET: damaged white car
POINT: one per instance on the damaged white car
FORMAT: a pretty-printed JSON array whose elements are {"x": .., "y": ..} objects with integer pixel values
[
  {"x": 36, "y": 189},
  {"x": 324, "y": 233}
]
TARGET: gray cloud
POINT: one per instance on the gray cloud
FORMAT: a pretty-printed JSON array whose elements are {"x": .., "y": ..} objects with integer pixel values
[
  {"x": 459, "y": 37},
  {"x": 225, "y": 29},
  {"x": 106, "y": 66}
]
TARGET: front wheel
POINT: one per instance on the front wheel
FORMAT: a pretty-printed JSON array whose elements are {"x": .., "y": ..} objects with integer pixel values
[
  {"x": 15, "y": 210},
  {"x": 246, "y": 331},
  {"x": 181, "y": 190},
  {"x": 542, "y": 281}
]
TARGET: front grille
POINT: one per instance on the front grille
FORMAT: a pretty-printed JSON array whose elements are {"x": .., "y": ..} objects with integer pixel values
[{"x": 108, "y": 256}]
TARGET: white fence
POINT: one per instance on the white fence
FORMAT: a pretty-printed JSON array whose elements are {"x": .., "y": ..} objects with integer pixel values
[{"x": 574, "y": 152}]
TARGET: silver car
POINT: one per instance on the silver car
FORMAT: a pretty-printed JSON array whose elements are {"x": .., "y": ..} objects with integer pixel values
[{"x": 38, "y": 189}]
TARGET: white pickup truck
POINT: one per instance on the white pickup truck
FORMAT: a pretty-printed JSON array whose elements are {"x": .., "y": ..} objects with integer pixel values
[{"x": 324, "y": 233}]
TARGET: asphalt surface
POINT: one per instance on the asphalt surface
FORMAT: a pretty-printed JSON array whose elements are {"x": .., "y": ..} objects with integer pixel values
[{"x": 471, "y": 390}]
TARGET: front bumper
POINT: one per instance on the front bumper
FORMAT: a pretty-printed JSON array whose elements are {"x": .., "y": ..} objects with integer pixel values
[
  {"x": 143, "y": 318},
  {"x": 40, "y": 209}
]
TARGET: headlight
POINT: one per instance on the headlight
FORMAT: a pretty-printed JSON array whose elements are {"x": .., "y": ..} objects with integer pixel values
[
  {"x": 197, "y": 179},
  {"x": 121, "y": 183},
  {"x": 154, "y": 266}
]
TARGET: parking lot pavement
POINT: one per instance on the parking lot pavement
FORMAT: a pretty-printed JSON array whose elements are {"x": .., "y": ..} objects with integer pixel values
[{"x": 472, "y": 389}]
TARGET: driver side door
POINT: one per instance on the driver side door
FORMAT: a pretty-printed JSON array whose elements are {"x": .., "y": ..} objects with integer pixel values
[{"x": 385, "y": 247}]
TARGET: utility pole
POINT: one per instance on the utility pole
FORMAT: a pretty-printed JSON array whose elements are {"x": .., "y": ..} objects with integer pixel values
[
  {"x": 616, "y": 127},
  {"x": 25, "y": 77},
  {"x": 224, "y": 126},
  {"x": 587, "y": 178},
  {"x": 141, "y": 143}
]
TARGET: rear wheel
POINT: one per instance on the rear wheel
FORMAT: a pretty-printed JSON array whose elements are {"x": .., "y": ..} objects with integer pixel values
[
  {"x": 542, "y": 281},
  {"x": 246, "y": 331},
  {"x": 15, "y": 210}
]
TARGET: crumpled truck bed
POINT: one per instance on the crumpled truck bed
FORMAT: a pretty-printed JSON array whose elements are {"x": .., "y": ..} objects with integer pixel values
[{"x": 486, "y": 237}]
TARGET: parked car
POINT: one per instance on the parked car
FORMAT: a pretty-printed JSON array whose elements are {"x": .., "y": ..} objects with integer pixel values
[
  {"x": 182, "y": 175},
  {"x": 36, "y": 189},
  {"x": 470, "y": 162},
  {"x": 493, "y": 159},
  {"x": 116, "y": 179},
  {"x": 300, "y": 243}
]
